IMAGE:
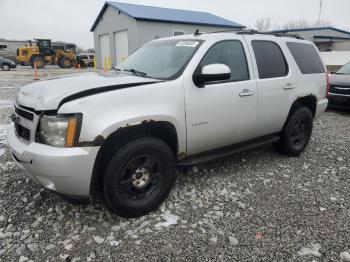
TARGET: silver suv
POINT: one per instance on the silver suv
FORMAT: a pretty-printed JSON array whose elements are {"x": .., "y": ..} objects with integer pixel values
[{"x": 174, "y": 102}]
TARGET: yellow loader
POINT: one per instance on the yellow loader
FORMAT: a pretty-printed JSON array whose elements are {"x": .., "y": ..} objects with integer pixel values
[{"x": 43, "y": 53}]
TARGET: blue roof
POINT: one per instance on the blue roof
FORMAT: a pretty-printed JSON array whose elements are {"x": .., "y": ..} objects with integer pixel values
[
  {"x": 331, "y": 37},
  {"x": 167, "y": 15},
  {"x": 312, "y": 29}
]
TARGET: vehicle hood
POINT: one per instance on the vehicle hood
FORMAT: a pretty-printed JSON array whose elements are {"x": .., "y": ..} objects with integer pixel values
[
  {"x": 341, "y": 80},
  {"x": 48, "y": 94}
]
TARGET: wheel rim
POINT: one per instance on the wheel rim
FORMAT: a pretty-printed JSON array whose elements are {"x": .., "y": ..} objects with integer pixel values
[
  {"x": 141, "y": 177},
  {"x": 6, "y": 67},
  {"x": 299, "y": 133}
]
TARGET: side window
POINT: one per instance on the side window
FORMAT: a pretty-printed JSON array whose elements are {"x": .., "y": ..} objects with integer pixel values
[
  {"x": 270, "y": 59},
  {"x": 306, "y": 57},
  {"x": 230, "y": 53}
]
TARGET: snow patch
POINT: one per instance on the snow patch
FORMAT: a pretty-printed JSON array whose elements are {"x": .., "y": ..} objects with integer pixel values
[
  {"x": 3, "y": 129},
  {"x": 5, "y": 103},
  {"x": 8, "y": 87},
  {"x": 114, "y": 243},
  {"x": 313, "y": 250},
  {"x": 2, "y": 151},
  {"x": 170, "y": 219},
  {"x": 345, "y": 256}
]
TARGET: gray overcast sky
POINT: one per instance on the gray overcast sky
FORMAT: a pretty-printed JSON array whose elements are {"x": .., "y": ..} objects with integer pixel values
[{"x": 71, "y": 20}]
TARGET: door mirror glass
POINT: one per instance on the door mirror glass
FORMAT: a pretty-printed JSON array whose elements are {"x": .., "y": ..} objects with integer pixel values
[{"x": 212, "y": 73}]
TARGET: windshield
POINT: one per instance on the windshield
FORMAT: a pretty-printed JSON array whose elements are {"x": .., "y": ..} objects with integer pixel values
[
  {"x": 161, "y": 59},
  {"x": 345, "y": 69}
]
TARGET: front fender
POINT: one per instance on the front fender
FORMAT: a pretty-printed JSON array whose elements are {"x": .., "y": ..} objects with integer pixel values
[{"x": 105, "y": 113}]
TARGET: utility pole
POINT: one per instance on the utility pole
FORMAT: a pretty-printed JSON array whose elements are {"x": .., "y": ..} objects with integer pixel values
[{"x": 319, "y": 15}]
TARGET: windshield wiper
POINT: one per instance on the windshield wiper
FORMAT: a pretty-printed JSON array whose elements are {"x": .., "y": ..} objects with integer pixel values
[{"x": 135, "y": 72}]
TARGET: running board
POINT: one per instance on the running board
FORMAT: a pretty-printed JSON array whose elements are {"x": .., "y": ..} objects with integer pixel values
[{"x": 227, "y": 151}]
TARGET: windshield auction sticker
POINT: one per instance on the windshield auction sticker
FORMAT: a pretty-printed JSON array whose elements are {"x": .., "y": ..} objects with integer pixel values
[{"x": 187, "y": 43}]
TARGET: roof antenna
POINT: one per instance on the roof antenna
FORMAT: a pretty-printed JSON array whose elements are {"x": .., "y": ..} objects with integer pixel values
[{"x": 197, "y": 33}]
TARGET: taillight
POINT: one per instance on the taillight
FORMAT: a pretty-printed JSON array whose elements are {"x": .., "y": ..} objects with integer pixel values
[{"x": 328, "y": 84}]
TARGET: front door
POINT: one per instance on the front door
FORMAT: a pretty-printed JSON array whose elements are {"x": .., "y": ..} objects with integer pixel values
[{"x": 222, "y": 113}]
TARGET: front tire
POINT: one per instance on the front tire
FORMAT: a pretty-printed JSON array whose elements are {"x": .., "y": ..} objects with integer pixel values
[
  {"x": 297, "y": 132},
  {"x": 139, "y": 177},
  {"x": 5, "y": 67}
]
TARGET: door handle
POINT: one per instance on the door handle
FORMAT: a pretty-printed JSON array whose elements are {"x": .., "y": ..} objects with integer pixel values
[
  {"x": 289, "y": 86},
  {"x": 246, "y": 92}
]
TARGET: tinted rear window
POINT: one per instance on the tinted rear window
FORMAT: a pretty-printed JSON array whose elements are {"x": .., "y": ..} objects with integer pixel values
[
  {"x": 270, "y": 59},
  {"x": 306, "y": 57}
]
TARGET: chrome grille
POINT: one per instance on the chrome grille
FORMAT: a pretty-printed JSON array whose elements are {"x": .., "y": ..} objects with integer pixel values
[
  {"x": 25, "y": 123},
  {"x": 22, "y": 131},
  {"x": 340, "y": 90},
  {"x": 27, "y": 115}
]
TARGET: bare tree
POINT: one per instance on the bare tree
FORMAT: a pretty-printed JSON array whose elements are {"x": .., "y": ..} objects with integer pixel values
[
  {"x": 300, "y": 24},
  {"x": 322, "y": 23},
  {"x": 263, "y": 24}
]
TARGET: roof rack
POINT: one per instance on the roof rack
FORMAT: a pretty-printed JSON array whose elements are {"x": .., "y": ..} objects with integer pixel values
[
  {"x": 251, "y": 32},
  {"x": 197, "y": 32}
]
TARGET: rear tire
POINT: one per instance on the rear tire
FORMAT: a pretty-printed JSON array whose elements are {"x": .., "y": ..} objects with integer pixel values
[
  {"x": 296, "y": 133},
  {"x": 65, "y": 62},
  {"x": 139, "y": 177}
]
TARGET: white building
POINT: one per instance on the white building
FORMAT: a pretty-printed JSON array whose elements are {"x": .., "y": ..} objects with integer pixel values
[
  {"x": 325, "y": 38},
  {"x": 120, "y": 28}
]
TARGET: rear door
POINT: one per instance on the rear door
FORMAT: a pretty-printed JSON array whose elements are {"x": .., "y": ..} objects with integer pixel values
[
  {"x": 221, "y": 113},
  {"x": 275, "y": 84}
]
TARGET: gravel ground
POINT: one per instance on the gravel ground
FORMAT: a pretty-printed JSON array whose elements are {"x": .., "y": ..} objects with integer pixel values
[{"x": 256, "y": 206}]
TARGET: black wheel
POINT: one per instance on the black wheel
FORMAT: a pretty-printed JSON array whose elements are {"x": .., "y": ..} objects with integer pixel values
[
  {"x": 139, "y": 177},
  {"x": 39, "y": 61},
  {"x": 65, "y": 62},
  {"x": 297, "y": 132},
  {"x": 5, "y": 67}
]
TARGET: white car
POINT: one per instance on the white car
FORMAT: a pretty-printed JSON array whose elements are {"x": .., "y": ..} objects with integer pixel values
[
  {"x": 176, "y": 101},
  {"x": 86, "y": 58}
]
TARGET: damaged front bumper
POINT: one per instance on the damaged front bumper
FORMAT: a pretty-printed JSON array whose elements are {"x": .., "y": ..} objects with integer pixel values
[{"x": 65, "y": 170}]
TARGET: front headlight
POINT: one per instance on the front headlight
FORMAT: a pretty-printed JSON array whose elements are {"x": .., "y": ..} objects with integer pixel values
[{"x": 60, "y": 130}]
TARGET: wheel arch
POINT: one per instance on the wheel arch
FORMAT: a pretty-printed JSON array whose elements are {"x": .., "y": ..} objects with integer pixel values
[
  {"x": 162, "y": 130},
  {"x": 308, "y": 101}
]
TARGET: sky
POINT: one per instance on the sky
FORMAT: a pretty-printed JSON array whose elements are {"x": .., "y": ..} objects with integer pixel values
[{"x": 71, "y": 20}]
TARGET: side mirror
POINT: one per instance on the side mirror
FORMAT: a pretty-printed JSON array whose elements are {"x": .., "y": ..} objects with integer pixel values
[{"x": 212, "y": 73}]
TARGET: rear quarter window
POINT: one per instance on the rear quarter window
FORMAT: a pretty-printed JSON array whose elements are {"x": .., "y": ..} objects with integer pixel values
[
  {"x": 270, "y": 59},
  {"x": 306, "y": 57}
]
